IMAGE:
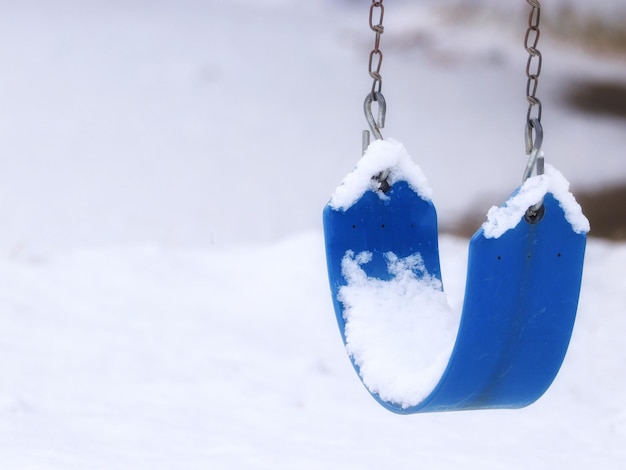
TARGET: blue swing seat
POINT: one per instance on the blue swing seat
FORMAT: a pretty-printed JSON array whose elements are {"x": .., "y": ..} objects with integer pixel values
[{"x": 520, "y": 302}]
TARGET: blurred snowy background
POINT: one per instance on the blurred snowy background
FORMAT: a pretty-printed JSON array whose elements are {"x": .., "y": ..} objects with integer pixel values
[
  {"x": 206, "y": 122},
  {"x": 163, "y": 168}
]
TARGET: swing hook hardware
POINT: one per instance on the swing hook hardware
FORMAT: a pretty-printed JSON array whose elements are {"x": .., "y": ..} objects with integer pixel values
[
  {"x": 533, "y": 148},
  {"x": 375, "y": 124},
  {"x": 535, "y": 162},
  {"x": 533, "y": 124},
  {"x": 381, "y": 182}
]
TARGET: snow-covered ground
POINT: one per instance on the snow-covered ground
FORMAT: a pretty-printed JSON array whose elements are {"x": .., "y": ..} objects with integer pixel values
[
  {"x": 163, "y": 293},
  {"x": 133, "y": 358}
]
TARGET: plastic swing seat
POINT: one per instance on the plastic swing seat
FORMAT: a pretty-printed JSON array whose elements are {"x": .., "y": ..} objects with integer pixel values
[{"x": 520, "y": 300}]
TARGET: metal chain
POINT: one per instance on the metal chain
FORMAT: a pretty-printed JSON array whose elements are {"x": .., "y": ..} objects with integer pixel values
[
  {"x": 534, "y": 129},
  {"x": 533, "y": 66},
  {"x": 377, "y": 12}
]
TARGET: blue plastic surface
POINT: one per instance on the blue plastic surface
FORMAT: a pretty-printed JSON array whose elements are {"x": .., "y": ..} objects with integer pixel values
[{"x": 520, "y": 302}]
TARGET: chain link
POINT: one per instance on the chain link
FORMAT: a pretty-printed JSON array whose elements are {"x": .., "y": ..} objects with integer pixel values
[
  {"x": 377, "y": 13},
  {"x": 535, "y": 60}
]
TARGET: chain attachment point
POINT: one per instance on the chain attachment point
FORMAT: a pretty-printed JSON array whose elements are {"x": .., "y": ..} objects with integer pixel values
[
  {"x": 377, "y": 14},
  {"x": 381, "y": 182},
  {"x": 534, "y": 129},
  {"x": 535, "y": 163}
]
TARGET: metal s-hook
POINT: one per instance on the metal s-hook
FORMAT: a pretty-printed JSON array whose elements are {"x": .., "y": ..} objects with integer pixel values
[
  {"x": 533, "y": 148},
  {"x": 535, "y": 162},
  {"x": 376, "y": 124}
]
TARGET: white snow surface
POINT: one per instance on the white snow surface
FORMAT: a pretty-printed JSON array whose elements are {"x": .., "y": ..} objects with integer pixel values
[
  {"x": 381, "y": 155},
  {"x": 533, "y": 190},
  {"x": 157, "y": 358},
  {"x": 164, "y": 302},
  {"x": 399, "y": 332}
]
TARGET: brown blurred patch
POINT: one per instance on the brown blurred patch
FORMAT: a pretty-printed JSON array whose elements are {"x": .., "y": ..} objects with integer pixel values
[
  {"x": 606, "y": 98},
  {"x": 605, "y": 209}
]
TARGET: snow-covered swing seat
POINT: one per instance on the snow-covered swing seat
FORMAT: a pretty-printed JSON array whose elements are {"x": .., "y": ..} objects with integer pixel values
[
  {"x": 411, "y": 351},
  {"x": 521, "y": 297}
]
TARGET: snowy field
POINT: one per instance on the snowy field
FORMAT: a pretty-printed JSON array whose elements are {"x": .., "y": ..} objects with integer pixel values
[{"x": 163, "y": 293}]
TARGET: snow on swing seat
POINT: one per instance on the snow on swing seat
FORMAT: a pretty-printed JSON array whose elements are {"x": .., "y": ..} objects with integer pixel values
[{"x": 411, "y": 350}]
